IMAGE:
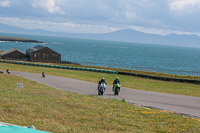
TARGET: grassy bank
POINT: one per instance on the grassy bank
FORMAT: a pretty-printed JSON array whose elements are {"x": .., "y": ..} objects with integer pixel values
[
  {"x": 127, "y": 70},
  {"x": 59, "y": 111},
  {"x": 12, "y": 38},
  {"x": 133, "y": 71},
  {"x": 127, "y": 81}
]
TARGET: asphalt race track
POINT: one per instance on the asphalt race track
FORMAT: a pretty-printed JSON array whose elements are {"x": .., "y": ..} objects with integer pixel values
[{"x": 186, "y": 105}]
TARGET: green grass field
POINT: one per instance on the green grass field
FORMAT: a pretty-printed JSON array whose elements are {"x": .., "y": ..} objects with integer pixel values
[
  {"x": 127, "y": 81},
  {"x": 61, "y": 112}
]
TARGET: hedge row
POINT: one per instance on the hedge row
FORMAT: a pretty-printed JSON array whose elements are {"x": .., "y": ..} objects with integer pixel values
[{"x": 161, "y": 78}]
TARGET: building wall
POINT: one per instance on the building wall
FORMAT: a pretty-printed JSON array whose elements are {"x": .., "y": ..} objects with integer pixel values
[
  {"x": 14, "y": 55},
  {"x": 45, "y": 55}
]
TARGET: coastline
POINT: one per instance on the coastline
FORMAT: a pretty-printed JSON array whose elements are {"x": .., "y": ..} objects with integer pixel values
[{"x": 10, "y": 39}]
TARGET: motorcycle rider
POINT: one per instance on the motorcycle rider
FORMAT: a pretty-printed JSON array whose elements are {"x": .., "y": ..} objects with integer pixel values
[
  {"x": 43, "y": 74},
  {"x": 101, "y": 81},
  {"x": 8, "y": 71},
  {"x": 116, "y": 81}
]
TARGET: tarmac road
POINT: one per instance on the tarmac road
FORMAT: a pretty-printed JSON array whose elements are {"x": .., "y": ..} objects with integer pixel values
[{"x": 186, "y": 105}]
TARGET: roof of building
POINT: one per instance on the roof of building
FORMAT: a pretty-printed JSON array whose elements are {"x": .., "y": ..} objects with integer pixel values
[
  {"x": 36, "y": 48},
  {"x": 10, "y": 51}
]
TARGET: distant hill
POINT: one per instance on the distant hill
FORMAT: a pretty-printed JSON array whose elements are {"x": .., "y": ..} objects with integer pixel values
[
  {"x": 121, "y": 35},
  {"x": 12, "y": 29}
]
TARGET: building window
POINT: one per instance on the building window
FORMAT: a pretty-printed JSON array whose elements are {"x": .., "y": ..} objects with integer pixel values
[
  {"x": 37, "y": 55},
  {"x": 54, "y": 55},
  {"x": 45, "y": 55}
]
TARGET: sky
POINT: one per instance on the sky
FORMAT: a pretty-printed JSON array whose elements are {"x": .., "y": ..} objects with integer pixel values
[{"x": 102, "y": 16}]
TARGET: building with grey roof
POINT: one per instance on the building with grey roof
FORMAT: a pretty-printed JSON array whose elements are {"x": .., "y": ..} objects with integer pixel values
[
  {"x": 42, "y": 54},
  {"x": 12, "y": 54}
]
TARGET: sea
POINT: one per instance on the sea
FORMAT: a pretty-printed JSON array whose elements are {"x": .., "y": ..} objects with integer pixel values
[{"x": 116, "y": 54}]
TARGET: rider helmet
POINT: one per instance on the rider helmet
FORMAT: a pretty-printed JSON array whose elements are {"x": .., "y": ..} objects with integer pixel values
[
  {"x": 103, "y": 78},
  {"x": 117, "y": 78}
]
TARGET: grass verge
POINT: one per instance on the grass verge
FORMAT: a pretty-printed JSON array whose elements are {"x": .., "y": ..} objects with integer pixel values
[
  {"x": 128, "y": 70},
  {"x": 127, "y": 81},
  {"x": 60, "y": 111},
  {"x": 134, "y": 71}
]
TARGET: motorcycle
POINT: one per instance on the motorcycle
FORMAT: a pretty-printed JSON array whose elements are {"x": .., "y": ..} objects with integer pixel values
[
  {"x": 101, "y": 89},
  {"x": 116, "y": 89},
  {"x": 43, "y": 74},
  {"x": 8, "y": 71}
]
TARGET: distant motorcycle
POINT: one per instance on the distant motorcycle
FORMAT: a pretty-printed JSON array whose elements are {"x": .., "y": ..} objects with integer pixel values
[
  {"x": 8, "y": 71},
  {"x": 1, "y": 71},
  {"x": 101, "y": 89},
  {"x": 43, "y": 74},
  {"x": 116, "y": 89}
]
